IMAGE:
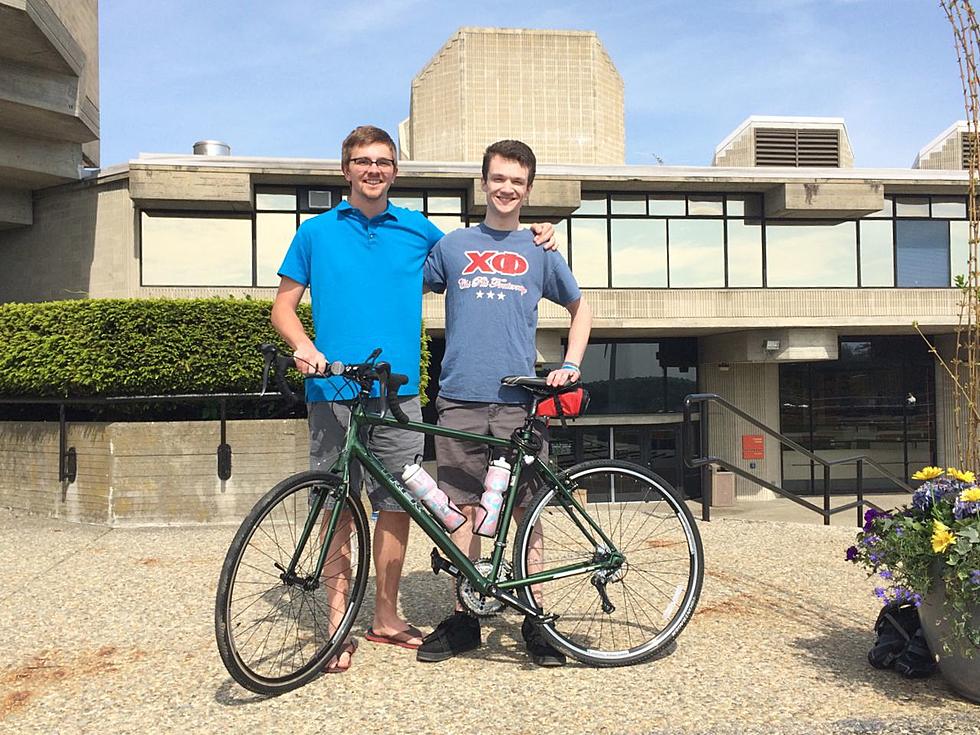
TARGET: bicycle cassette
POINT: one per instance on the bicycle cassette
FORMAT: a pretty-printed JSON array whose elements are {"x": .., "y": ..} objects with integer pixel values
[{"x": 471, "y": 599}]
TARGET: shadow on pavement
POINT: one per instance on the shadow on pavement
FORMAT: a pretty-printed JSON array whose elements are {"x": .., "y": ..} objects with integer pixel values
[{"x": 842, "y": 654}]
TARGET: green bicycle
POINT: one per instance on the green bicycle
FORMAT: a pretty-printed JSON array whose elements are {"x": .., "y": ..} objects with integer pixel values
[{"x": 607, "y": 559}]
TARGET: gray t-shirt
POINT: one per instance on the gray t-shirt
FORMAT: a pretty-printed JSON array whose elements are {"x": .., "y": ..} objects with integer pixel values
[{"x": 493, "y": 281}]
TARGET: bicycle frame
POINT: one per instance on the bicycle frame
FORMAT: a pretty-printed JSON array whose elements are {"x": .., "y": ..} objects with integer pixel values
[{"x": 489, "y": 584}]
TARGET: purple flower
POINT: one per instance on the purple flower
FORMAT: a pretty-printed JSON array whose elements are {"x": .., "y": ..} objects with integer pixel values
[
  {"x": 899, "y": 531},
  {"x": 851, "y": 554},
  {"x": 869, "y": 516},
  {"x": 881, "y": 594},
  {"x": 925, "y": 497},
  {"x": 904, "y": 593},
  {"x": 885, "y": 574},
  {"x": 873, "y": 558},
  {"x": 870, "y": 540},
  {"x": 965, "y": 508},
  {"x": 975, "y": 577},
  {"x": 934, "y": 491}
]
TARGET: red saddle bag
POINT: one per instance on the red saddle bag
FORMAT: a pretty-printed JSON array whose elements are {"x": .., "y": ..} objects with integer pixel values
[{"x": 566, "y": 405}]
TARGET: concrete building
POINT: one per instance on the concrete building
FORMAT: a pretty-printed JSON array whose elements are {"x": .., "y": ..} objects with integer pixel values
[
  {"x": 49, "y": 99},
  {"x": 791, "y": 291},
  {"x": 558, "y": 91},
  {"x": 781, "y": 277}
]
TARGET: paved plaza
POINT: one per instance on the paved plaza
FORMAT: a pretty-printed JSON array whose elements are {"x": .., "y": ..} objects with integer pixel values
[{"x": 111, "y": 630}]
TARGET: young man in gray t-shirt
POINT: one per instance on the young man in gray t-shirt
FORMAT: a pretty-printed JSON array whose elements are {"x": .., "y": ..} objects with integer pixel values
[{"x": 493, "y": 277}]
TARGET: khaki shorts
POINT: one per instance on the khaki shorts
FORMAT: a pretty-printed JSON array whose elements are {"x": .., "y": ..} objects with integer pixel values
[
  {"x": 463, "y": 464},
  {"x": 395, "y": 448}
]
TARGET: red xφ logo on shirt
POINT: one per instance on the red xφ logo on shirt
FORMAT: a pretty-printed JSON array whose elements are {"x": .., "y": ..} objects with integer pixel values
[{"x": 495, "y": 261}]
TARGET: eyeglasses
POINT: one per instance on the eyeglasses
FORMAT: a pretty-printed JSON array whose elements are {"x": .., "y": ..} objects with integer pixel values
[{"x": 383, "y": 164}]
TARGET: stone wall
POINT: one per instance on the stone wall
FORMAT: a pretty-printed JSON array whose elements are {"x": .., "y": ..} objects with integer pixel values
[{"x": 147, "y": 473}]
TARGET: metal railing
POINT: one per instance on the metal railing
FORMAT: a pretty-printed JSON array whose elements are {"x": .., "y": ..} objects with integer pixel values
[
  {"x": 68, "y": 457},
  {"x": 704, "y": 460}
]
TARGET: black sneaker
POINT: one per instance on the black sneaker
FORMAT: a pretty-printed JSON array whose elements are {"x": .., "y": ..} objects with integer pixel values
[
  {"x": 541, "y": 652},
  {"x": 457, "y": 634}
]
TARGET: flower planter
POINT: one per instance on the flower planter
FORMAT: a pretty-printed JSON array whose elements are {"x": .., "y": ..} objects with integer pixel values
[
  {"x": 933, "y": 544},
  {"x": 960, "y": 672}
]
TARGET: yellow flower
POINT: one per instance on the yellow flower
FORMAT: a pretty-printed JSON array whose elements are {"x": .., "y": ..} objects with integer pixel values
[
  {"x": 928, "y": 473},
  {"x": 941, "y": 537},
  {"x": 966, "y": 476},
  {"x": 970, "y": 495}
]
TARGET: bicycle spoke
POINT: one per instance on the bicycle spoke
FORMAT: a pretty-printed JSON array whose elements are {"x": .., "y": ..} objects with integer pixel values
[
  {"x": 273, "y": 629},
  {"x": 655, "y": 548}
]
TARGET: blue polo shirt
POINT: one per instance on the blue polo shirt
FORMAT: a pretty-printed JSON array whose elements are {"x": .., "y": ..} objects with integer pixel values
[{"x": 365, "y": 281}]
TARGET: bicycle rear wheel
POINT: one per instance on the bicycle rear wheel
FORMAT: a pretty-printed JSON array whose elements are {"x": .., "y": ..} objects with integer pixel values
[
  {"x": 653, "y": 593},
  {"x": 274, "y": 632}
]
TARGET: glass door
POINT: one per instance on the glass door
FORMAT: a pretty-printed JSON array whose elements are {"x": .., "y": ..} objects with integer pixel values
[{"x": 877, "y": 400}]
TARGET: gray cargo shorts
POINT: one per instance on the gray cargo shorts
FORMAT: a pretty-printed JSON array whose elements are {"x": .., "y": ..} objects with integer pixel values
[
  {"x": 395, "y": 448},
  {"x": 463, "y": 464}
]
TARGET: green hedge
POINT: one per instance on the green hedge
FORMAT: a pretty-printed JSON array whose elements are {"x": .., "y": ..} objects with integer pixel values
[{"x": 127, "y": 347}]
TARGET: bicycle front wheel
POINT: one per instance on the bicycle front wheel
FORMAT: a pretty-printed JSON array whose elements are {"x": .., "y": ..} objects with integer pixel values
[
  {"x": 649, "y": 597},
  {"x": 275, "y": 630}
]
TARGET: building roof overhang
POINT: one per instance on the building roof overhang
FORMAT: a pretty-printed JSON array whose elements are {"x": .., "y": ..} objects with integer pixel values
[{"x": 756, "y": 177}]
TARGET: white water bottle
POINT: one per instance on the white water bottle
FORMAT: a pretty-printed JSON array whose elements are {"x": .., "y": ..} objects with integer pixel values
[
  {"x": 494, "y": 486},
  {"x": 424, "y": 488}
]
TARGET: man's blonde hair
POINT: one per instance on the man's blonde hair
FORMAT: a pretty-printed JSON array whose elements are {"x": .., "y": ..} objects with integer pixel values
[{"x": 365, "y": 135}]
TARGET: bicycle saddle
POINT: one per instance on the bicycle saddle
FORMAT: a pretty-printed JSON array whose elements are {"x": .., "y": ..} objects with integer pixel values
[{"x": 538, "y": 386}]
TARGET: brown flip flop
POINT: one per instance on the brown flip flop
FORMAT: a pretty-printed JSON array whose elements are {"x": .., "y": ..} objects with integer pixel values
[
  {"x": 350, "y": 648},
  {"x": 401, "y": 639}
]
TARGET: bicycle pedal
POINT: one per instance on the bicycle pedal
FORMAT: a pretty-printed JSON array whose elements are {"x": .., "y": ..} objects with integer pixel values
[{"x": 442, "y": 565}]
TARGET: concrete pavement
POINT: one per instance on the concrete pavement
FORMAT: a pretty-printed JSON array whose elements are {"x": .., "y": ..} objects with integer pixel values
[{"x": 111, "y": 630}]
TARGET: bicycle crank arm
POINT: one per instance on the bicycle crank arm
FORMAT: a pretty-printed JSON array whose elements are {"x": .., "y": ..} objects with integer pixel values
[
  {"x": 509, "y": 599},
  {"x": 440, "y": 564}
]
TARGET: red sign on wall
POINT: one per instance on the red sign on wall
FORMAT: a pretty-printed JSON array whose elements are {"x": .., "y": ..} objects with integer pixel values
[{"x": 753, "y": 446}]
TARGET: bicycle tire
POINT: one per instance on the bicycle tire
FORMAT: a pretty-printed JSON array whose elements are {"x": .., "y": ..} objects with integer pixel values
[
  {"x": 256, "y": 610},
  {"x": 657, "y": 587}
]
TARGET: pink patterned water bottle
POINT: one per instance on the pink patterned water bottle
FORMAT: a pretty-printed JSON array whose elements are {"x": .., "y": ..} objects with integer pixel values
[
  {"x": 488, "y": 514},
  {"x": 424, "y": 488}
]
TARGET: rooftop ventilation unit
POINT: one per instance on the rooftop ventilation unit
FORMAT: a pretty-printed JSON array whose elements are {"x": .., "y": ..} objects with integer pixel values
[
  {"x": 797, "y": 147},
  {"x": 949, "y": 151},
  {"x": 211, "y": 148},
  {"x": 967, "y": 144},
  {"x": 797, "y": 142}
]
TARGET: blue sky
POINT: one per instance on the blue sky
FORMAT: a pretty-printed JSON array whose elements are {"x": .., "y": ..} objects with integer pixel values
[{"x": 291, "y": 78}]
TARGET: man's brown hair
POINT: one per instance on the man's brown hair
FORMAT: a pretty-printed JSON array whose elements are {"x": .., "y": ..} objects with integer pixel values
[
  {"x": 361, "y": 136},
  {"x": 511, "y": 150}
]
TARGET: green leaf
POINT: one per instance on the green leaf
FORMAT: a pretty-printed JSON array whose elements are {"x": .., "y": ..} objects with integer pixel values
[{"x": 969, "y": 532}]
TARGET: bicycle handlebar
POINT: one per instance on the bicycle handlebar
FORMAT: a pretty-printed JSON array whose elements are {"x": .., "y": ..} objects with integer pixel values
[{"x": 364, "y": 374}]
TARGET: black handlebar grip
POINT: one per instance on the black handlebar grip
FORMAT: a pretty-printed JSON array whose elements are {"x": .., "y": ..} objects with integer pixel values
[
  {"x": 396, "y": 381},
  {"x": 283, "y": 363}
]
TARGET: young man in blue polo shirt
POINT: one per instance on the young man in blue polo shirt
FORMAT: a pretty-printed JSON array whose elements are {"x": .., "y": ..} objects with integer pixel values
[
  {"x": 339, "y": 255},
  {"x": 493, "y": 278}
]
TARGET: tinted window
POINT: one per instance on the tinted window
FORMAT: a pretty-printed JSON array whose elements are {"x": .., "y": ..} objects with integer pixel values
[{"x": 922, "y": 253}]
